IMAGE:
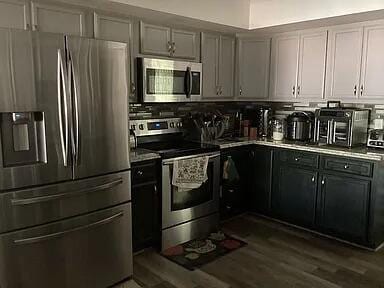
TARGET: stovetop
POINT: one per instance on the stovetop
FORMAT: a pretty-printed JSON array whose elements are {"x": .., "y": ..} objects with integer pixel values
[{"x": 173, "y": 149}]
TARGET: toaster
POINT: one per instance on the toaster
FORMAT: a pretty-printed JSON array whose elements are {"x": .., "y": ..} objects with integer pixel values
[{"x": 376, "y": 138}]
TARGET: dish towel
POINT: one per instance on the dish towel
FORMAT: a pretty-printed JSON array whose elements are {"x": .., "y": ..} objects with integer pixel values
[
  {"x": 190, "y": 173},
  {"x": 230, "y": 172}
]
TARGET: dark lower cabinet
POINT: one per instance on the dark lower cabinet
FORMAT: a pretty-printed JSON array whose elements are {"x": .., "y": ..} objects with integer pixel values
[
  {"x": 145, "y": 205},
  {"x": 343, "y": 206},
  {"x": 294, "y": 194}
]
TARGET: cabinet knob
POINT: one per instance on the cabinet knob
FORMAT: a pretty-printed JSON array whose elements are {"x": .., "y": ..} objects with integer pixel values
[
  {"x": 297, "y": 159},
  {"x": 322, "y": 182},
  {"x": 313, "y": 179},
  {"x": 140, "y": 173},
  {"x": 346, "y": 166},
  {"x": 231, "y": 190}
]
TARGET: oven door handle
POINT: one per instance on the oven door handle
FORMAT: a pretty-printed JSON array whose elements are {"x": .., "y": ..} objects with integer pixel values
[{"x": 171, "y": 161}]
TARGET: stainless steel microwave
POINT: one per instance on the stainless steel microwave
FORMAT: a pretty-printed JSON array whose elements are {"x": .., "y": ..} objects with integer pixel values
[{"x": 169, "y": 81}]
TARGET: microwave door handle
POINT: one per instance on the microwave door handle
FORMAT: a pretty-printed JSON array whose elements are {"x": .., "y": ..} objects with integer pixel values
[{"x": 188, "y": 81}]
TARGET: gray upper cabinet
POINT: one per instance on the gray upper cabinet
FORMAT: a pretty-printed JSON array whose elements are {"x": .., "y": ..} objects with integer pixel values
[
  {"x": 344, "y": 61},
  {"x": 183, "y": 44},
  {"x": 14, "y": 14},
  {"x": 155, "y": 40},
  {"x": 218, "y": 58},
  {"x": 120, "y": 29},
  {"x": 58, "y": 19},
  {"x": 168, "y": 42},
  {"x": 227, "y": 67},
  {"x": 210, "y": 60},
  {"x": 371, "y": 83},
  {"x": 253, "y": 68},
  {"x": 311, "y": 77},
  {"x": 284, "y": 66}
]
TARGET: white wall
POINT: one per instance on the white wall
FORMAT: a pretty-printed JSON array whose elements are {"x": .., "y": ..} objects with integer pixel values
[
  {"x": 228, "y": 12},
  {"x": 265, "y": 13}
]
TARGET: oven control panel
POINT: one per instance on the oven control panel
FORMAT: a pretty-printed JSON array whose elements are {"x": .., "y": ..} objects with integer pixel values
[{"x": 148, "y": 127}]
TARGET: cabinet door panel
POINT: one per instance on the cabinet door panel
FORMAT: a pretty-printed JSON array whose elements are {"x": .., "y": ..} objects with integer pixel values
[
  {"x": 344, "y": 206},
  {"x": 372, "y": 84},
  {"x": 57, "y": 19},
  {"x": 294, "y": 197},
  {"x": 184, "y": 44},
  {"x": 344, "y": 63},
  {"x": 227, "y": 66},
  {"x": 155, "y": 40},
  {"x": 14, "y": 14},
  {"x": 254, "y": 61},
  {"x": 311, "y": 78},
  {"x": 117, "y": 29},
  {"x": 210, "y": 60},
  {"x": 284, "y": 68}
]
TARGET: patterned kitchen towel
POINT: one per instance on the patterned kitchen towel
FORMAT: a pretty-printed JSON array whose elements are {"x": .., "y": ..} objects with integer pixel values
[{"x": 190, "y": 173}]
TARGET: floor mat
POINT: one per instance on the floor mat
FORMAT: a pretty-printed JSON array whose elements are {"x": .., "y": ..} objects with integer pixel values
[{"x": 195, "y": 253}]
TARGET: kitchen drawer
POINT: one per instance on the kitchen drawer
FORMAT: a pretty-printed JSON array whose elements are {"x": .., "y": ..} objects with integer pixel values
[
  {"x": 299, "y": 158},
  {"x": 39, "y": 205},
  {"x": 348, "y": 166},
  {"x": 144, "y": 173},
  {"x": 92, "y": 250}
]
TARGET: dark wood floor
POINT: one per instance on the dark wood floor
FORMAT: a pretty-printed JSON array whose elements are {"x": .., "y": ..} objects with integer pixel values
[{"x": 276, "y": 256}]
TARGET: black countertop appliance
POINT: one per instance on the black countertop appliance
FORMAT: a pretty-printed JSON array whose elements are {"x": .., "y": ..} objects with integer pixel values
[{"x": 300, "y": 126}]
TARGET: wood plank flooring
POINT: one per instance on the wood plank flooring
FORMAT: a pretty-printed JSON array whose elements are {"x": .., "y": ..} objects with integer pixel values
[{"x": 276, "y": 256}]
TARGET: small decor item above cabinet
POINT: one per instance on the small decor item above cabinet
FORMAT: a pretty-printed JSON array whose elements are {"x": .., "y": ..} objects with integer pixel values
[
  {"x": 298, "y": 65},
  {"x": 218, "y": 58},
  {"x": 168, "y": 42},
  {"x": 355, "y": 62}
]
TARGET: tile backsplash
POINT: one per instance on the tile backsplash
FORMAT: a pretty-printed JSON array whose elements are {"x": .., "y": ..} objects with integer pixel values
[{"x": 161, "y": 110}]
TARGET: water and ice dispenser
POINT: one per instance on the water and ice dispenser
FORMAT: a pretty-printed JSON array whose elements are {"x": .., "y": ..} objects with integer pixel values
[{"x": 23, "y": 140}]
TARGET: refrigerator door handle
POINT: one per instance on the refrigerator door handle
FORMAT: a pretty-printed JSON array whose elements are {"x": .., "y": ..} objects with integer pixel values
[
  {"x": 41, "y": 199},
  {"x": 62, "y": 105},
  {"x": 65, "y": 232},
  {"x": 75, "y": 108}
]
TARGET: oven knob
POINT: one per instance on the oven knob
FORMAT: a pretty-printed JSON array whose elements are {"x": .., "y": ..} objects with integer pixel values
[
  {"x": 141, "y": 126},
  {"x": 172, "y": 125}
]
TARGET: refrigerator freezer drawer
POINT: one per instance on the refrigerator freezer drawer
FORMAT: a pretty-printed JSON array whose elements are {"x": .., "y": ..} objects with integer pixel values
[
  {"x": 88, "y": 251},
  {"x": 39, "y": 205}
]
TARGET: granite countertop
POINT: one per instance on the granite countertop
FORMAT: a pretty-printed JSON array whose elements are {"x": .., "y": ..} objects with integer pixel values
[
  {"x": 139, "y": 155},
  {"x": 358, "y": 152}
]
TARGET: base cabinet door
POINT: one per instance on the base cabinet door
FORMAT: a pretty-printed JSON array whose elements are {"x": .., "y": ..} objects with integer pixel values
[
  {"x": 343, "y": 206},
  {"x": 294, "y": 195}
]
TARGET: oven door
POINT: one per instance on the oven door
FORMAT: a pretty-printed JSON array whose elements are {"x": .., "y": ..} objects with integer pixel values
[
  {"x": 170, "y": 81},
  {"x": 182, "y": 206},
  {"x": 341, "y": 132}
]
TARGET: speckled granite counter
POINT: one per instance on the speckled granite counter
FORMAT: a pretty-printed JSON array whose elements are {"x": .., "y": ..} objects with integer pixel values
[
  {"x": 359, "y": 152},
  {"x": 139, "y": 155}
]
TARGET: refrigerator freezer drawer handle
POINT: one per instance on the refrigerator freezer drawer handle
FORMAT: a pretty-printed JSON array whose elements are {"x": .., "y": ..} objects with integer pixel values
[
  {"x": 77, "y": 193},
  {"x": 62, "y": 105},
  {"x": 60, "y": 234}
]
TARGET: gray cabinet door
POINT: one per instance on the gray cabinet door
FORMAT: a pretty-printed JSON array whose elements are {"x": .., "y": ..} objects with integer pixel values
[
  {"x": 371, "y": 83},
  {"x": 118, "y": 29},
  {"x": 58, "y": 19},
  {"x": 14, "y": 14},
  {"x": 210, "y": 60},
  {"x": 253, "y": 70},
  {"x": 344, "y": 61},
  {"x": 285, "y": 53},
  {"x": 155, "y": 40},
  {"x": 226, "y": 67},
  {"x": 311, "y": 78},
  {"x": 184, "y": 44}
]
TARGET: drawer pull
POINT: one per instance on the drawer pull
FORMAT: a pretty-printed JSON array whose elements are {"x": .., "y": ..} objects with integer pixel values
[
  {"x": 231, "y": 191},
  {"x": 297, "y": 159},
  {"x": 346, "y": 166},
  {"x": 63, "y": 233},
  {"x": 140, "y": 173},
  {"x": 313, "y": 179},
  {"x": 36, "y": 200},
  {"x": 322, "y": 182}
]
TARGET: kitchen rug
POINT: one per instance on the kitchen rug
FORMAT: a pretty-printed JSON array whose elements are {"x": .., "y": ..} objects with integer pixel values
[{"x": 195, "y": 253}]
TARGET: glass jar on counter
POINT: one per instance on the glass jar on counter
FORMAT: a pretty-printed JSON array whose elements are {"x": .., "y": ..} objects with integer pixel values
[{"x": 278, "y": 129}]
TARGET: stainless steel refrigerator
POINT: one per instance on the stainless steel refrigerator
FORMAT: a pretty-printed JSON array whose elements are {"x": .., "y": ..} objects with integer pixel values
[{"x": 65, "y": 211}]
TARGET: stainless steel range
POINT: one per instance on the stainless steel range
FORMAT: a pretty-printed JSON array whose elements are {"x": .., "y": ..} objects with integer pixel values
[{"x": 189, "y": 214}]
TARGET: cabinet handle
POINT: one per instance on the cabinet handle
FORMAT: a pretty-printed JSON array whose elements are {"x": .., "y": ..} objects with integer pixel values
[
  {"x": 346, "y": 166},
  {"x": 231, "y": 191},
  {"x": 355, "y": 90},
  {"x": 297, "y": 159},
  {"x": 323, "y": 182},
  {"x": 133, "y": 88},
  {"x": 169, "y": 46},
  {"x": 173, "y": 47},
  {"x": 361, "y": 90},
  {"x": 241, "y": 91},
  {"x": 217, "y": 90},
  {"x": 35, "y": 27},
  {"x": 140, "y": 173},
  {"x": 313, "y": 179},
  {"x": 27, "y": 26},
  {"x": 293, "y": 90},
  {"x": 298, "y": 90},
  {"x": 221, "y": 90},
  {"x": 155, "y": 189},
  {"x": 252, "y": 154}
]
